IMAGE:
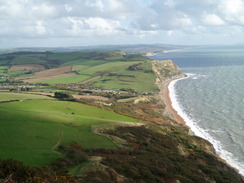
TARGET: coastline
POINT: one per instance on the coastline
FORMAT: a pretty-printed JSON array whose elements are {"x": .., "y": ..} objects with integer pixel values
[
  {"x": 167, "y": 100},
  {"x": 165, "y": 93}
]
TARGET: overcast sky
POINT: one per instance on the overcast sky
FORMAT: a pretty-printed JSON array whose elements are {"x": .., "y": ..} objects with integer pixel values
[{"x": 27, "y": 23}]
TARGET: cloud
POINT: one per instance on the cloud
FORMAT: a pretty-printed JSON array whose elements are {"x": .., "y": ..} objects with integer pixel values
[
  {"x": 232, "y": 11},
  {"x": 92, "y": 26},
  {"x": 121, "y": 20},
  {"x": 212, "y": 19}
]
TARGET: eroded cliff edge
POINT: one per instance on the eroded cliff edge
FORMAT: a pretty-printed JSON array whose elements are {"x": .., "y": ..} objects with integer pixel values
[{"x": 165, "y": 70}]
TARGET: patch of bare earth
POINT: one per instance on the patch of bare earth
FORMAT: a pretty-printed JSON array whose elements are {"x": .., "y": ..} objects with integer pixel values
[
  {"x": 90, "y": 97},
  {"x": 41, "y": 93},
  {"x": 35, "y": 79},
  {"x": 90, "y": 79},
  {"x": 51, "y": 74},
  {"x": 32, "y": 67}
]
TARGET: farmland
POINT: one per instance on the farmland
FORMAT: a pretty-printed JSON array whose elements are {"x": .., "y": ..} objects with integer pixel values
[
  {"x": 111, "y": 70},
  {"x": 38, "y": 126},
  {"x": 20, "y": 96}
]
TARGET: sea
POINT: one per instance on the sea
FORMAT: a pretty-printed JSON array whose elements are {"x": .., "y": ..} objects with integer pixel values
[{"x": 211, "y": 98}]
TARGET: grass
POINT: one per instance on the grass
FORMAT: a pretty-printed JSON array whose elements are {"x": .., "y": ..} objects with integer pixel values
[
  {"x": 20, "y": 96},
  {"x": 65, "y": 79},
  {"x": 108, "y": 67},
  {"x": 4, "y": 67},
  {"x": 66, "y": 57},
  {"x": 113, "y": 75},
  {"x": 140, "y": 82},
  {"x": 17, "y": 73},
  {"x": 127, "y": 99},
  {"x": 4, "y": 62},
  {"x": 97, "y": 69},
  {"x": 30, "y": 129},
  {"x": 85, "y": 62}
]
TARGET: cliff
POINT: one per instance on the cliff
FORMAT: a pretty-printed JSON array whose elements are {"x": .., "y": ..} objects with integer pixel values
[{"x": 165, "y": 70}]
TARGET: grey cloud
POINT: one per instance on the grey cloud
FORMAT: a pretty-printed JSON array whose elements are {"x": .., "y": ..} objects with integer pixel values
[{"x": 88, "y": 19}]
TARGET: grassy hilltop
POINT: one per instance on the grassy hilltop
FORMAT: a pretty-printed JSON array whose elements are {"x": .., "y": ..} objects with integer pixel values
[{"x": 96, "y": 117}]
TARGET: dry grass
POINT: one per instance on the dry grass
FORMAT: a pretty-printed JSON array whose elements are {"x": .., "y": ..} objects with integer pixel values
[
  {"x": 54, "y": 72},
  {"x": 36, "y": 79},
  {"x": 50, "y": 74}
]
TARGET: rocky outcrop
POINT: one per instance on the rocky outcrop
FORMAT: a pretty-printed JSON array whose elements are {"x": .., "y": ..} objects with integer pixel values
[
  {"x": 149, "y": 54},
  {"x": 165, "y": 70}
]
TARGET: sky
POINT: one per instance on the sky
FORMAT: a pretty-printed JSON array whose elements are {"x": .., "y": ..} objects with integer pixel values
[{"x": 54, "y": 23}]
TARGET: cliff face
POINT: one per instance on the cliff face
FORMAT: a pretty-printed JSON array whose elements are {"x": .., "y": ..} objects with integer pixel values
[{"x": 165, "y": 70}]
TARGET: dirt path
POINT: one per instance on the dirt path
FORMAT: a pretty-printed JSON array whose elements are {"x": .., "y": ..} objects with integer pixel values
[
  {"x": 60, "y": 133},
  {"x": 90, "y": 79},
  {"x": 91, "y": 97},
  {"x": 35, "y": 78}
]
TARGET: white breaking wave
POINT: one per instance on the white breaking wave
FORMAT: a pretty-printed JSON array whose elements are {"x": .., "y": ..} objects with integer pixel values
[
  {"x": 227, "y": 156},
  {"x": 195, "y": 76}
]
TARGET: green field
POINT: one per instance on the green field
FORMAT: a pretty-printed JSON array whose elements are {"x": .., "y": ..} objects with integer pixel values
[
  {"x": 4, "y": 67},
  {"x": 112, "y": 75},
  {"x": 3, "y": 70},
  {"x": 65, "y": 79},
  {"x": 20, "y": 96},
  {"x": 108, "y": 69},
  {"x": 31, "y": 130}
]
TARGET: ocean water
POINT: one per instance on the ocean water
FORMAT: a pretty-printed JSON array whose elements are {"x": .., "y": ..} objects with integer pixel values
[{"x": 211, "y": 98}]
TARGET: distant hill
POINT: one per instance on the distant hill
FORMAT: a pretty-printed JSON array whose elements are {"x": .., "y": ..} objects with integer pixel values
[
  {"x": 129, "y": 49},
  {"x": 108, "y": 69}
]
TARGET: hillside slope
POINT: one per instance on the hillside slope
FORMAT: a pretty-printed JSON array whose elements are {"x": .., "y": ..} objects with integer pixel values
[{"x": 125, "y": 138}]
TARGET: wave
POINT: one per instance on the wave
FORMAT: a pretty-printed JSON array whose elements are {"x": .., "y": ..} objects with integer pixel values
[
  {"x": 198, "y": 131},
  {"x": 196, "y": 76}
]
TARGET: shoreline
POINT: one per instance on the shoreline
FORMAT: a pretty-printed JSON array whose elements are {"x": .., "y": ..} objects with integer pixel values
[
  {"x": 167, "y": 100},
  {"x": 165, "y": 93}
]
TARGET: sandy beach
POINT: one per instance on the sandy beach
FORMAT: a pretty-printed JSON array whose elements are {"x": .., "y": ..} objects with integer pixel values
[{"x": 168, "y": 103}]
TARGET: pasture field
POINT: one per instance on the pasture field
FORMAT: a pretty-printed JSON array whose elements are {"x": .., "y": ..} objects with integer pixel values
[
  {"x": 31, "y": 130},
  {"x": 53, "y": 72},
  {"x": 65, "y": 79},
  {"x": 17, "y": 73},
  {"x": 108, "y": 70},
  {"x": 4, "y": 67},
  {"x": 108, "y": 67},
  {"x": 140, "y": 83},
  {"x": 6, "y": 96},
  {"x": 3, "y": 70},
  {"x": 85, "y": 62},
  {"x": 112, "y": 75},
  {"x": 119, "y": 77},
  {"x": 4, "y": 62}
]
